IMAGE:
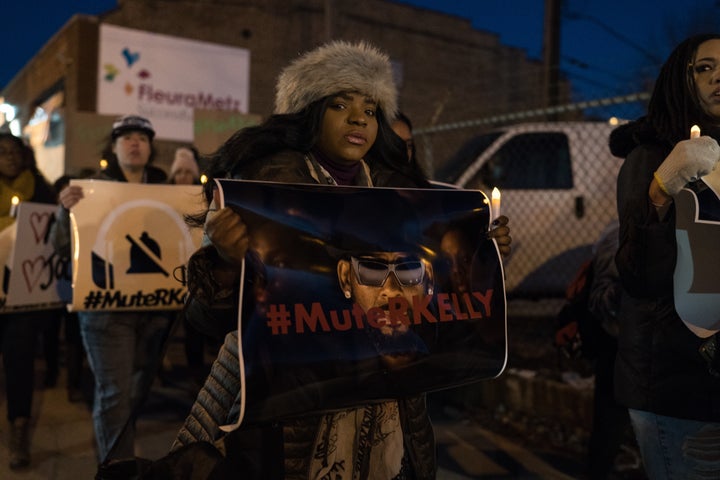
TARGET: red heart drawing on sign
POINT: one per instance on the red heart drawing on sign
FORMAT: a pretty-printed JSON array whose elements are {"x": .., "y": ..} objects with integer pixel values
[
  {"x": 32, "y": 270},
  {"x": 39, "y": 223}
]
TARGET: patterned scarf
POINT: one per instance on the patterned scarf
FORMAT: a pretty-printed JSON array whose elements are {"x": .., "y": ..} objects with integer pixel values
[{"x": 363, "y": 443}]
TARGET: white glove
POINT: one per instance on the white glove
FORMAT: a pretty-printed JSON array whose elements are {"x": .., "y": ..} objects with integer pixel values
[{"x": 687, "y": 162}]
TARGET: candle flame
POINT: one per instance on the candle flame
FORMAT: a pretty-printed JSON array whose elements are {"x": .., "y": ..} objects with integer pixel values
[
  {"x": 495, "y": 194},
  {"x": 14, "y": 200},
  {"x": 694, "y": 131}
]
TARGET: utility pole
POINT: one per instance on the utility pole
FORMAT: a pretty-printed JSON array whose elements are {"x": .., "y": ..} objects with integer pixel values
[
  {"x": 551, "y": 53},
  {"x": 329, "y": 20}
]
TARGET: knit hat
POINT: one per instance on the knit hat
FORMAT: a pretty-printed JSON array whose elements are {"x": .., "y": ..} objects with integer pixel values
[
  {"x": 130, "y": 123},
  {"x": 335, "y": 67},
  {"x": 184, "y": 158}
]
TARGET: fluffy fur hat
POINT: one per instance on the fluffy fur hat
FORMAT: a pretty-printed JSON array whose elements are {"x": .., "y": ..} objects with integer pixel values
[
  {"x": 336, "y": 67},
  {"x": 185, "y": 158}
]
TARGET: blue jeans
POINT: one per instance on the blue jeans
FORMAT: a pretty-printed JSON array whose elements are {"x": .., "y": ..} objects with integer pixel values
[
  {"x": 676, "y": 448},
  {"x": 124, "y": 351}
]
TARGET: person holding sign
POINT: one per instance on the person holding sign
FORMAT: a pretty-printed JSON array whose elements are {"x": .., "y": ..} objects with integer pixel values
[
  {"x": 331, "y": 126},
  {"x": 664, "y": 372},
  {"x": 19, "y": 332},
  {"x": 124, "y": 349}
]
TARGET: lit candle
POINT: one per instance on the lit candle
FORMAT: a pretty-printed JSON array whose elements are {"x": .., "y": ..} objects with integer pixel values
[
  {"x": 495, "y": 202},
  {"x": 13, "y": 205},
  {"x": 694, "y": 131}
]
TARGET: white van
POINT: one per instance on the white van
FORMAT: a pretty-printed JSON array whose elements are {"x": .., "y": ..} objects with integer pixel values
[{"x": 557, "y": 182}]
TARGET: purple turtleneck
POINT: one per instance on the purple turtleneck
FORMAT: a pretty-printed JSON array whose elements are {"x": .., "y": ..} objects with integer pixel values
[{"x": 343, "y": 173}]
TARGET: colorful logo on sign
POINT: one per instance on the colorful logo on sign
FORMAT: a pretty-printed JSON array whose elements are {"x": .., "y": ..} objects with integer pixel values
[{"x": 129, "y": 59}]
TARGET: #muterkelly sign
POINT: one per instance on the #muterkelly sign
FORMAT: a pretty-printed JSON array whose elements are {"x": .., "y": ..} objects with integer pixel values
[
  {"x": 130, "y": 245},
  {"x": 360, "y": 294},
  {"x": 31, "y": 267}
]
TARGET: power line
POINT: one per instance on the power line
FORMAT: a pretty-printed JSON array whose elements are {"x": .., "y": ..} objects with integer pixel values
[{"x": 581, "y": 16}]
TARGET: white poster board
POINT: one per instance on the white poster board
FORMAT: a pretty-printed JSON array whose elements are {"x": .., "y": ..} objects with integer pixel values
[
  {"x": 31, "y": 266},
  {"x": 697, "y": 232},
  {"x": 165, "y": 78},
  {"x": 131, "y": 243}
]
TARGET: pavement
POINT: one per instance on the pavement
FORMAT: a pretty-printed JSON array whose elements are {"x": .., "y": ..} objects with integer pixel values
[
  {"x": 62, "y": 443},
  {"x": 532, "y": 395}
]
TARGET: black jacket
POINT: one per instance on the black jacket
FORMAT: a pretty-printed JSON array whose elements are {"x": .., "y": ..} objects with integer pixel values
[
  {"x": 44, "y": 192},
  {"x": 659, "y": 368}
]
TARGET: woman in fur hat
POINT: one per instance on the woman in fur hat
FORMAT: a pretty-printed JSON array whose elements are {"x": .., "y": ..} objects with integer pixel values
[{"x": 331, "y": 126}]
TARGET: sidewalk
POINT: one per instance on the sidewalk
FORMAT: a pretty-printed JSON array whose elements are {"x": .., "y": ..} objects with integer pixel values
[
  {"x": 62, "y": 443},
  {"x": 63, "y": 448}
]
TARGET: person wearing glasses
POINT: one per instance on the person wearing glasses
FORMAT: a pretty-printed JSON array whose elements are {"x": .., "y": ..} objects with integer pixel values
[
  {"x": 331, "y": 126},
  {"x": 373, "y": 280}
]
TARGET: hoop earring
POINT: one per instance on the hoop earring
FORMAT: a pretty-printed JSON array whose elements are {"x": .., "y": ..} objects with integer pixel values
[{"x": 347, "y": 294}]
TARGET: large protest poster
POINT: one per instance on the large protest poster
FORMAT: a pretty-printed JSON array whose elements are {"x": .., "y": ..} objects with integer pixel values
[
  {"x": 131, "y": 243},
  {"x": 32, "y": 267},
  {"x": 696, "y": 282},
  {"x": 357, "y": 294}
]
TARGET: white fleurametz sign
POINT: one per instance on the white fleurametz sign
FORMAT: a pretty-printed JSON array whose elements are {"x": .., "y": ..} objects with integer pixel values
[
  {"x": 166, "y": 78},
  {"x": 31, "y": 268},
  {"x": 131, "y": 243}
]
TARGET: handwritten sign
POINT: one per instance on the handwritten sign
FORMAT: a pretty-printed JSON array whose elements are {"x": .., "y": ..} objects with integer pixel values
[{"x": 32, "y": 267}]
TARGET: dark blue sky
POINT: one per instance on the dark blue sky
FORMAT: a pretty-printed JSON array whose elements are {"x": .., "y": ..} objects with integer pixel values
[{"x": 607, "y": 46}]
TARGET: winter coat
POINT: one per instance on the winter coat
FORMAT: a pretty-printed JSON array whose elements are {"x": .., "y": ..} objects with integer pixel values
[{"x": 659, "y": 367}]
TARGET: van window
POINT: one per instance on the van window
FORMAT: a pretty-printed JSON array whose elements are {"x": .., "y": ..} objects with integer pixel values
[
  {"x": 451, "y": 171},
  {"x": 531, "y": 161}
]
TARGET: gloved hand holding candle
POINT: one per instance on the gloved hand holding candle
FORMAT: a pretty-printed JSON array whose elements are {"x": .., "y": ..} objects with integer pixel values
[{"x": 687, "y": 162}]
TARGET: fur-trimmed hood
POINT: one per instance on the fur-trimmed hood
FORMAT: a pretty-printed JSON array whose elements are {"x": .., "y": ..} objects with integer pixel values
[{"x": 336, "y": 67}]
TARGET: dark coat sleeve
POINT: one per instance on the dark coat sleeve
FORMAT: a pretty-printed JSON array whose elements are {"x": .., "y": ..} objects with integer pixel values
[
  {"x": 210, "y": 307},
  {"x": 44, "y": 192},
  {"x": 647, "y": 250}
]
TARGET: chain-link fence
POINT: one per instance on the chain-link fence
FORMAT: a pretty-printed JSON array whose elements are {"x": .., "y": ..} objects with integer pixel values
[{"x": 555, "y": 174}]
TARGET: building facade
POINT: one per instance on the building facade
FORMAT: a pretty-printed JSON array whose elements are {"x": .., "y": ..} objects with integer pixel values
[{"x": 446, "y": 70}]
